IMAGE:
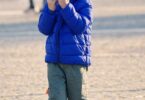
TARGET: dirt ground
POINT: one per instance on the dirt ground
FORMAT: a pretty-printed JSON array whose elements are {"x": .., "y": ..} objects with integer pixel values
[
  {"x": 117, "y": 71},
  {"x": 118, "y": 55}
]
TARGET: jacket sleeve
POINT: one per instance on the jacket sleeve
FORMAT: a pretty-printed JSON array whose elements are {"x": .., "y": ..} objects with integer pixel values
[
  {"x": 77, "y": 21},
  {"x": 46, "y": 21}
]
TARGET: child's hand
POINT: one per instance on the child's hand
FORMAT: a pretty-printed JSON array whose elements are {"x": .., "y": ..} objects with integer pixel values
[
  {"x": 51, "y": 4},
  {"x": 63, "y": 3}
]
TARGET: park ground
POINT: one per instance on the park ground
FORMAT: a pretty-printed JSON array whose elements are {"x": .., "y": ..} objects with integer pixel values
[{"x": 118, "y": 54}]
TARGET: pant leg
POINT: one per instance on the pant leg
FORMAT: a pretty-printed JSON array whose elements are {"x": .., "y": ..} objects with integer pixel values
[
  {"x": 31, "y": 4},
  {"x": 76, "y": 77},
  {"x": 57, "y": 83}
]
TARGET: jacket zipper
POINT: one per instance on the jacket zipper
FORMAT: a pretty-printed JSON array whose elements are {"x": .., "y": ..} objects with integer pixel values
[
  {"x": 58, "y": 46},
  {"x": 58, "y": 38}
]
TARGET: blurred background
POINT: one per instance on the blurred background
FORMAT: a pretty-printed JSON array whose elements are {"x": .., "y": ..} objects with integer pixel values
[{"x": 118, "y": 51}]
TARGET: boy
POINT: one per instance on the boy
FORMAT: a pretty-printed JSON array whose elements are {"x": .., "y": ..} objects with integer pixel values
[{"x": 67, "y": 25}]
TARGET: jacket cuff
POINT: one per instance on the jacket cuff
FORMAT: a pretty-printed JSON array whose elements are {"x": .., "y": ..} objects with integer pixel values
[
  {"x": 50, "y": 11},
  {"x": 67, "y": 11},
  {"x": 47, "y": 10}
]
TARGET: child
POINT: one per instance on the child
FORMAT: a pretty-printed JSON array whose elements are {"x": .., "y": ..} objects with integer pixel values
[{"x": 67, "y": 25}]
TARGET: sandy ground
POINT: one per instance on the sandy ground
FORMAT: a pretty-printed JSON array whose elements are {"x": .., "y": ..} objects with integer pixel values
[
  {"x": 117, "y": 71},
  {"x": 118, "y": 56}
]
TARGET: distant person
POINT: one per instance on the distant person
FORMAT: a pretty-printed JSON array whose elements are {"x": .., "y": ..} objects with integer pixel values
[
  {"x": 33, "y": 7},
  {"x": 67, "y": 25},
  {"x": 31, "y": 2}
]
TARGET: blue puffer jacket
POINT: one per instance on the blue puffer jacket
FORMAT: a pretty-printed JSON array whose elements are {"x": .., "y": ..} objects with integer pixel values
[{"x": 68, "y": 32}]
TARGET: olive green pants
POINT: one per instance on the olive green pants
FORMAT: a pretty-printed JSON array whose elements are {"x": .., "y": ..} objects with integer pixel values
[{"x": 67, "y": 82}]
